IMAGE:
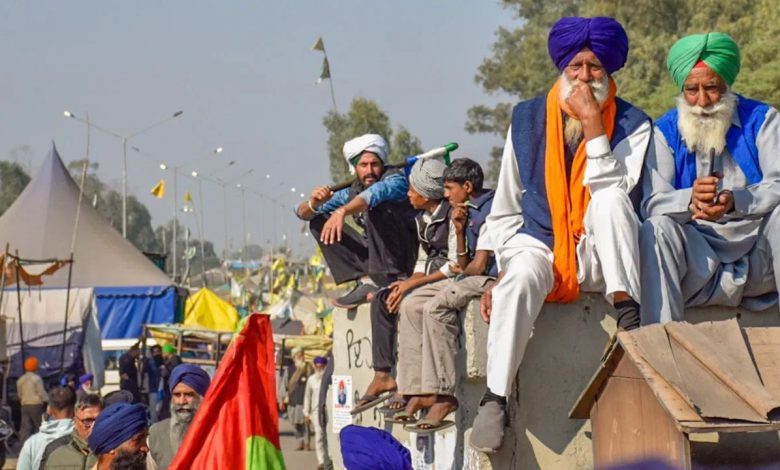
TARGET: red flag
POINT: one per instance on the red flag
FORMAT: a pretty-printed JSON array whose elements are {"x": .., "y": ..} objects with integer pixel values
[{"x": 236, "y": 426}]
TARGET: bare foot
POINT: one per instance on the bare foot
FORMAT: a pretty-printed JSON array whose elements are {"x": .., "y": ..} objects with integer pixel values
[
  {"x": 419, "y": 402},
  {"x": 445, "y": 404},
  {"x": 381, "y": 383}
]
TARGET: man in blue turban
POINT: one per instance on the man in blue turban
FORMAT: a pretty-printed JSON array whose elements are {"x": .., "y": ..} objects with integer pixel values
[
  {"x": 119, "y": 434},
  {"x": 188, "y": 385},
  {"x": 711, "y": 234},
  {"x": 563, "y": 218}
]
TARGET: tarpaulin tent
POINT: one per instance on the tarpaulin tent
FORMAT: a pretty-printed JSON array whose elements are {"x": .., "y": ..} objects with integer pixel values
[
  {"x": 128, "y": 288},
  {"x": 206, "y": 310}
]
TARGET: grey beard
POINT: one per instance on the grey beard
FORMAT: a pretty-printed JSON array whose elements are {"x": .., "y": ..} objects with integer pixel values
[
  {"x": 572, "y": 131},
  {"x": 704, "y": 129}
]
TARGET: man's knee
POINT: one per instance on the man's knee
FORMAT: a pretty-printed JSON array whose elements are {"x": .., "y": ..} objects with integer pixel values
[
  {"x": 658, "y": 227},
  {"x": 609, "y": 200},
  {"x": 316, "y": 224}
]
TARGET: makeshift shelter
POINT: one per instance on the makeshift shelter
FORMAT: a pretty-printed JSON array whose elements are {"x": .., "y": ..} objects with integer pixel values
[
  {"x": 122, "y": 286},
  {"x": 690, "y": 395},
  {"x": 205, "y": 309}
]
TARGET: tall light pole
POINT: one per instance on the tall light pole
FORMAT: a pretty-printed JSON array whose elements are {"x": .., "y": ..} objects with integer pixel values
[
  {"x": 202, "y": 215},
  {"x": 176, "y": 169},
  {"x": 124, "y": 139},
  {"x": 243, "y": 218}
]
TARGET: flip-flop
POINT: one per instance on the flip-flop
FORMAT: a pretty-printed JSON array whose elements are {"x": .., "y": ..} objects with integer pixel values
[
  {"x": 433, "y": 426},
  {"x": 371, "y": 401},
  {"x": 386, "y": 410},
  {"x": 402, "y": 417}
]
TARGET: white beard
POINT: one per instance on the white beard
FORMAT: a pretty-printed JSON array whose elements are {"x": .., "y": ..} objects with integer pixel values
[
  {"x": 704, "y": 129},
  {"x": 572, "y": 130}
]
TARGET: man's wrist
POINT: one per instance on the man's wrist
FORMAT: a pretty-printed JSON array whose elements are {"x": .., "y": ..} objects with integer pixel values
[{"x": 312, "y": 206}]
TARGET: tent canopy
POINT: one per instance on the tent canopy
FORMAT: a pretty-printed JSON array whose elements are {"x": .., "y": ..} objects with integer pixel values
[
  {"x": 205, "y": 309},
  {"x": 39, "y": 224}
]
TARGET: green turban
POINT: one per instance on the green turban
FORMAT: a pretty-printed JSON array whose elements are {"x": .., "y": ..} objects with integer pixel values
[{"x": 717, "y": 50}]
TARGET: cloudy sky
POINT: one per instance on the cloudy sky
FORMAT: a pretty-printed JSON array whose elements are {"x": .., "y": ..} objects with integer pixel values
[{"x": 244, "y": 75}]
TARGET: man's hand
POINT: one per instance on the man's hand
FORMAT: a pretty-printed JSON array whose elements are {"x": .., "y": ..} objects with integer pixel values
[
  {"x": 331, "y": 231},
  {"x": 586, "y": 108},
  {"x": 706, "y": 203},
  {"x": 486, "y": 304},
  {"x": 398, "y": 290},
  {"x": 320, "y": 195},
  {"x": 459, "y": 216}
]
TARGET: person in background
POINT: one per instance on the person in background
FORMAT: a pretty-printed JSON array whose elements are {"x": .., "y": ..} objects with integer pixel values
[
  {"x": 153, "y": 376},
  {"x": 32, "y": 396},
  {"x": 60, "y": 410},
  {"x": 119, "y": 437},
  {"x": 128, "y": 372},
  {"x": 310, "y": 412},
  {"x": 71, "y": 450},
  {"x": 171, "y": 360},
  {"x": 296, "y": 389},
  {"x": 85, "y": 385},
  {"x": 189, "y": 384}
]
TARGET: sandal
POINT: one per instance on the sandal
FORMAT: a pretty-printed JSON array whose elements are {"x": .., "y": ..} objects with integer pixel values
[
  {"x": 431, "y": 426},
  {"x": 368, "y": 401}
]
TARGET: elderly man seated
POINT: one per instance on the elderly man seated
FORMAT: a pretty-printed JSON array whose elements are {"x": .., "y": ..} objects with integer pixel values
[
  {"x": 377, "y": 200},
  {"x": 712, "y": 189},
  {"x": 562, "y": 219}
]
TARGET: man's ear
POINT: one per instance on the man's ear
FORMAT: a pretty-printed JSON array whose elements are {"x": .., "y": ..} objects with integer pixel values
[
  {"x": 49, "y": 410},
  {"x": 468, "y": 187}
]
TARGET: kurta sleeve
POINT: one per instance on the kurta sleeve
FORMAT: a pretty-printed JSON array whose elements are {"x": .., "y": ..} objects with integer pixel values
[{"x": 619, "y": 167}]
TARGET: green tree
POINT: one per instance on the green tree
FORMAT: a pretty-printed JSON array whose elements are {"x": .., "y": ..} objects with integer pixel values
[
  {"x": 520, "y": 67},
  {"x": 13, "y": 180},
  {"x": 364, "y": 116}
]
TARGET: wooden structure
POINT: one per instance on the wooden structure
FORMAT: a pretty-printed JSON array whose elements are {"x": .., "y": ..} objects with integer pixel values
[{"x": 691, "y": 395}]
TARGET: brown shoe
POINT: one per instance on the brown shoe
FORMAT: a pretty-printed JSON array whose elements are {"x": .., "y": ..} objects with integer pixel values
[
  {"x": 300, "y": 446},
  {"x": 307, "y": 446}
]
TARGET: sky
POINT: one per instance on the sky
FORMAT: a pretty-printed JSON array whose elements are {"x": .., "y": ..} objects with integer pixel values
[{"x": 244, "y": 75}]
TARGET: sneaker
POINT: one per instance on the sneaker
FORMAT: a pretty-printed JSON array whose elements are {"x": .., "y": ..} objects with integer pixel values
[
  {"x": 487, "y": 432},
  {"x": 357, "y": 296}
]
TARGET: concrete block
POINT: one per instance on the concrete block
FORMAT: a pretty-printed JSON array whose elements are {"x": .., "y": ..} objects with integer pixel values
[{"x": 475, "y": 338}]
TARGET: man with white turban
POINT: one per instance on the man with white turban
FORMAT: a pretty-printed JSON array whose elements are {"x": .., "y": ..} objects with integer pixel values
[
  {"x": 563, "y": 218},
  {"x": 712, "y": 188},
  {"x": 386, "y": 251}
]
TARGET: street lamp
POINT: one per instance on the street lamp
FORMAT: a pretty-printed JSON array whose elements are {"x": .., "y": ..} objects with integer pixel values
[
  {"x": 124, "y": 139},
  {"x": 176, "y": 169}
]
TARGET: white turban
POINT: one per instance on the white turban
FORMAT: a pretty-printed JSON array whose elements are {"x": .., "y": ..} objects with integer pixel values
[{"x": 373, "y": 143}]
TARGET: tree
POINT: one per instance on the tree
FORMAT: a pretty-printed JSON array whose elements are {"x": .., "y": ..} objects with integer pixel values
[
  {"x": 364, "y": 117},
  {"x": 520, "y": 67},
  {"x": 108, "y": 204},
  {"x": 206, "y": 260},
  {"x": 13, "y": 180}
]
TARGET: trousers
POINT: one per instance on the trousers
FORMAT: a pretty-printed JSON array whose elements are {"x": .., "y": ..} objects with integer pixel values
[
  {"x": 428, "y": 330},
  {"x": 607, "y": 262}
]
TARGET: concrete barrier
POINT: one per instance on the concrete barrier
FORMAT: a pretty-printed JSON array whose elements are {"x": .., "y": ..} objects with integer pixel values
[{"x": 565, "y": 350}]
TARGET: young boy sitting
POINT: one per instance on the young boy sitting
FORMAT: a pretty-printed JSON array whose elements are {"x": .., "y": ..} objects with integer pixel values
[
  {"x": 435, "y": 260},
  {"x": 429, "y": 326}
]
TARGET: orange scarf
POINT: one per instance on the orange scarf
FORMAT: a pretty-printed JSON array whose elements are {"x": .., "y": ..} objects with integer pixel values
[{"x": 567, "y": 196}]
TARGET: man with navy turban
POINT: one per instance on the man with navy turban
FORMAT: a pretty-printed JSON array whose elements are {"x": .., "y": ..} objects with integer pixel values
[
  {"x": 119, "y": 435},
  {"x": 188, "y": 385},
  {"x": 563, "y": 218},
  {"x": 712, "y": 188},
  {"x": 384, "y": 248}
]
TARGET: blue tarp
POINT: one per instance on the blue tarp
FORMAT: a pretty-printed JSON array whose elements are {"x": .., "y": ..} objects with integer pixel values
[{"x": 122, "y": 310}]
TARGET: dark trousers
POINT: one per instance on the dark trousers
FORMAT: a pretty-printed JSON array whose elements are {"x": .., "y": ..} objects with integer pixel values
[
  {"x": 384, "y": 326},
  {"x": 31, "y": 421},
  {"x": 386, "y": 252}
]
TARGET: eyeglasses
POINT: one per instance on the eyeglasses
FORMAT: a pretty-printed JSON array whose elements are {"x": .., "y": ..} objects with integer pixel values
[{"x": 87, "y": 423}]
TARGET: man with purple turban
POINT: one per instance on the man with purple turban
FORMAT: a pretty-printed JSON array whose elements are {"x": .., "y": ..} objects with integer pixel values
[
  {"x": 563, "y": 218},
  {"x": 712, "y": 188},
  {"x": 311, "y": 407},
  {"x": 119, "y": 435},
  {"x": 188, "y": 385}
]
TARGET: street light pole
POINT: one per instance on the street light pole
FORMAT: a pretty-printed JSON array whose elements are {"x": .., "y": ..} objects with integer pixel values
[
  {"x": 175, "y": 220},
  {"x": 124, "y": 139}
]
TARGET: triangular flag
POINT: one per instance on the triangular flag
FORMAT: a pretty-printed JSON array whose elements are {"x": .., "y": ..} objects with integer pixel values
[
  {"x": 187, "y": 197},
  {"x": 325, "y": 70},
  {"x": 319, "y": 45},
  {"x": 159, "y": 189},
  {"x": 237, "y": 425}
]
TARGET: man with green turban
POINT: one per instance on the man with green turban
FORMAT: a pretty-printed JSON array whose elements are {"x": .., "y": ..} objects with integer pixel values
[{"x": 711, "y": 234}]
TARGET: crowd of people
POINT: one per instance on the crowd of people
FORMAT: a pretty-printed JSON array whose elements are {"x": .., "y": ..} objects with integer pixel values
[
  {"x": 592, "y": 196},
  {"x": 122, "y": 430}
]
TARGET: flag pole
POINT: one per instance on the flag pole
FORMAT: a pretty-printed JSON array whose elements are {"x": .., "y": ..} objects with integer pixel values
[{"x": 330, "y": 81}]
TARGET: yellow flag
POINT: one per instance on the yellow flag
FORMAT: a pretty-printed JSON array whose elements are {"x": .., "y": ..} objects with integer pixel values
[
  {"x": 187, "y": 197},
  {"x": 319, "y": 45},
  {"x": 158, "y": 190}
]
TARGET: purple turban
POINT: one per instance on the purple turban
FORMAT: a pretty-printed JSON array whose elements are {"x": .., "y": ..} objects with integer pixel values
[
  {"x": 365, "y": 448},
  {"x": 192, "y": 376},
  {"x": 602, "y": 35},
  {"x": 117, "y": 424},
  {"x": 86, "y": 378},
  {"x": 320, "y": 360}
]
